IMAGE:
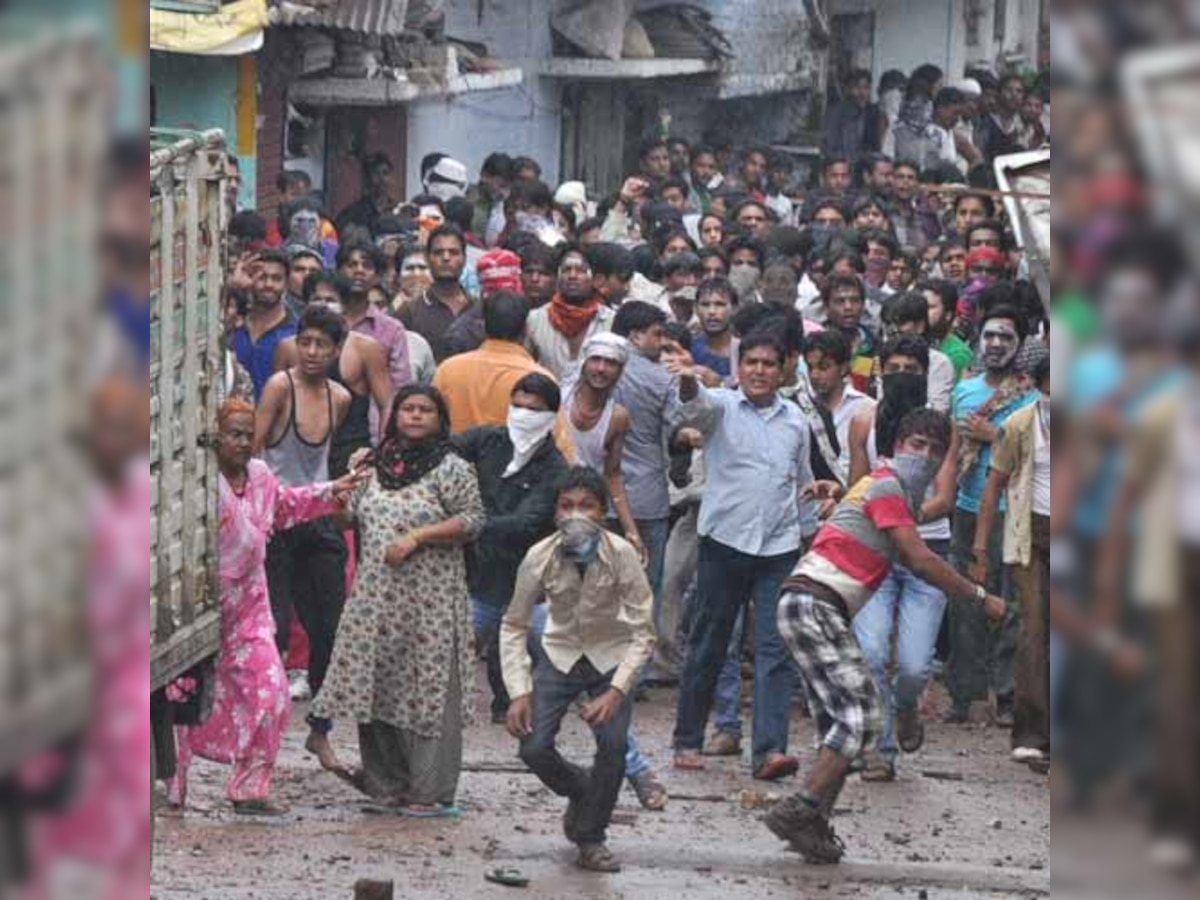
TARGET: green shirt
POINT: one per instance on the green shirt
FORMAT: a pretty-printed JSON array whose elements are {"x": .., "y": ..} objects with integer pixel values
[
  {"x": 1076, "y": 312},
  {"x": 960, "y": 354}
]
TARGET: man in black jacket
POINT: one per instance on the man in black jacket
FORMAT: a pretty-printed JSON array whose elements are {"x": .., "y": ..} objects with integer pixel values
[{"x": 518, "y": 467}]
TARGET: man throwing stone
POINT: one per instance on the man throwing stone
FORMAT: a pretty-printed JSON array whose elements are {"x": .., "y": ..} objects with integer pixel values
[{"x": 873, "y": 528}]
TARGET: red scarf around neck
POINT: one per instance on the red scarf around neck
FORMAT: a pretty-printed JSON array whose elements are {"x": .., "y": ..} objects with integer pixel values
[{"x": 569, "y": 320}]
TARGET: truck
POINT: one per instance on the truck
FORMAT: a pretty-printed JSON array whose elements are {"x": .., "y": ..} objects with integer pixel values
[{"x": 188, "y": 224}]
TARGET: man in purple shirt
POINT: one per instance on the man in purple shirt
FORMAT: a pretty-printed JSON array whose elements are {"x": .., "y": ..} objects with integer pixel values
[{"x": 362, "y": 264}]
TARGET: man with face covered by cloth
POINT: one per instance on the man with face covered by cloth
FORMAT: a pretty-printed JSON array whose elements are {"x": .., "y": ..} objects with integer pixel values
[
  {"x": 981, "y": 658},
  {"x": 904, "y": 603},
  {"x": 598, "y": 635}
]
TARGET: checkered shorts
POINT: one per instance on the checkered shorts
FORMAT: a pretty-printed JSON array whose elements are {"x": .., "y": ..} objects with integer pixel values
[{"x": 836, "y": 675}]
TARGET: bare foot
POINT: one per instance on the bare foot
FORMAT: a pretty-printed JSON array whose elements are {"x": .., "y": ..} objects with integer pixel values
[{"x": 319, "y": 746}]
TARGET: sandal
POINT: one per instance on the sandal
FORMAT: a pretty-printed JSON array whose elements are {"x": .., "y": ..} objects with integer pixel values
[
  {"x": 650, "y": 793},
  {"x": 264, "y": 808},
  {"x": 879, "y": 771},
  {"x": 597, "y": 858},
  {"x": 688, "y": 761},
  {"x": 431, "y": 812},
  {"x": 777, "y": 766},
  {"x": 507, "y": 876}
]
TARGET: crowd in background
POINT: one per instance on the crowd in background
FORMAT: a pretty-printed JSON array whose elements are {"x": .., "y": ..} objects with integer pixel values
[{"x": 435, "y": 368}]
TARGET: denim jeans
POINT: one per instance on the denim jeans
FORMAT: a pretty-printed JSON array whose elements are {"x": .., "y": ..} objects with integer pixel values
[
  {"x": 914, "y": 609},
  {"x": 596, "y": 792},
  {"x": 727, "y": 579},
  {"x": 727, "y": 705},
  {"x": 635, "y": 762},
  {"x": 486, "y": 619}
]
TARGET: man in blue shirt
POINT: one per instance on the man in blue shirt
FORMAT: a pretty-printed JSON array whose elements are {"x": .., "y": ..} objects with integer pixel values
[
  {"x": 756, "y": 455},
  {"x": 982, "y": 657},
  {"x": 267, "y": 321}
]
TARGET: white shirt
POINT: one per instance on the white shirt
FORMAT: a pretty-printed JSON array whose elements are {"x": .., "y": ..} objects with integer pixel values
[
  {"x": 853, "y": 402},
  {"x": 1041, "y": 468}
]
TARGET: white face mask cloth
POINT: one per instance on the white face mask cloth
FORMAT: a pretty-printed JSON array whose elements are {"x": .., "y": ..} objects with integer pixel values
[{"x": 527, "y": 429}]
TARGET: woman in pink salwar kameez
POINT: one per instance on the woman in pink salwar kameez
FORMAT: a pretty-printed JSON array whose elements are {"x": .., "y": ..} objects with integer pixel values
[{"x": 251, "y": 705}]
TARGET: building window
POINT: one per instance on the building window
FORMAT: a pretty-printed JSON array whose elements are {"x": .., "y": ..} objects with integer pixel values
[{"x": 1000, "y": 22}]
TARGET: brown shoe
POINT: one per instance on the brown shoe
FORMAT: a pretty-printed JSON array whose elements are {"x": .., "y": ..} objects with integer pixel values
[
  {"x": 777, "y": 766},
  {"x": 597, "y": 858},
  {"x": 723, "y": 744}
]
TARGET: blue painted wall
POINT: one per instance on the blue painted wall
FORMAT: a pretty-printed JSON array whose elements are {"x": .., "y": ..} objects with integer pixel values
[{"x": 200, "y": 92}]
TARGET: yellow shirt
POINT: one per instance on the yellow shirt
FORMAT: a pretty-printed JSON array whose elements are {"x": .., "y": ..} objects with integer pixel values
[
  {"x": 478, "y": 386},
  {"x": 604, "y": 614}
]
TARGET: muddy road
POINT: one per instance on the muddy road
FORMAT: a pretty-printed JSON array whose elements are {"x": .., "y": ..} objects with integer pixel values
[{"x": 961, "y": 820}]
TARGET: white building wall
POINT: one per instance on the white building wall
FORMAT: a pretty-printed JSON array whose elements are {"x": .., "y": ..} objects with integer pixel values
[
  {"x": 909, "y": 33},
  {"x": 522, "y": 121}
]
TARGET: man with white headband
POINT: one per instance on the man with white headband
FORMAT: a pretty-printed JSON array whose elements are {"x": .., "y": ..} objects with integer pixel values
[{"x": 597, "y": 424}]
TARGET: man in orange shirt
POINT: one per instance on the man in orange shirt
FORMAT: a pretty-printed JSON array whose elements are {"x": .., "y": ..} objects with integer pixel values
[{"x": 478, "y": 385}]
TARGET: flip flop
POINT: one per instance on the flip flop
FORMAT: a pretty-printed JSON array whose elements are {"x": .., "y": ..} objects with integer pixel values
[
  {"x": 507, "y": 876},
  {"x": 442, "y": 812}
]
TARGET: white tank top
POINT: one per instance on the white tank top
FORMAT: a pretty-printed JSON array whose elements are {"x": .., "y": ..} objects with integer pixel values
[
  {"x": 589, "y": 445},
  {"x": 937, "y": 530}
]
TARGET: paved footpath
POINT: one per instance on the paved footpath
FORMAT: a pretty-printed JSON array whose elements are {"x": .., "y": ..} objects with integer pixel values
[{"x": 961, "y": 820}]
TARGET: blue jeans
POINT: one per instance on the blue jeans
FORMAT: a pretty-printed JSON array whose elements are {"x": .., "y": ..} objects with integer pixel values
[
  {"x": 486, "y": 620},
  {"x": 727, "y": 707},
  {"x": 914, "y": 608},
  {"x": 596, "y": 791},
  {"x": 635, "y": 762},
  {"x": 728, "y": 578}
]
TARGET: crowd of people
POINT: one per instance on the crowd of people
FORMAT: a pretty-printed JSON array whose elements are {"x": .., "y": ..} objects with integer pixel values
[{"x": 610, "y": 443}]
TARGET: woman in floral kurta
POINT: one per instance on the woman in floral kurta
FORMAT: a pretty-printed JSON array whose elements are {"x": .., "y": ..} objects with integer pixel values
[
  {"x": 402, "y": 666},
  {"x": 250, "y": 701}
]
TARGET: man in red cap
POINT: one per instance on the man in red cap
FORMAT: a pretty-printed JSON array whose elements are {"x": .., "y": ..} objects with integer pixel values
[
  {"x": 497, "y": 270},
  {"x": 985, "y": 266}
]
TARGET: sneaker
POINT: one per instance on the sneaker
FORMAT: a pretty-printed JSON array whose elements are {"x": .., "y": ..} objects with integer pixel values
[
  {"x": 1027, "y": 754},
  {"x": 807, "y": 832},
  {"x": 298, "y": 688},
  {"x": 723, "y": 744},
  {"x": 910, "y": 730},
  {"x": 597, "y": 858}
]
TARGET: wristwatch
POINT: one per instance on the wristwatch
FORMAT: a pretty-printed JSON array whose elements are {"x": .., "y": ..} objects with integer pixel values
[{"x": 981, "y": 593}]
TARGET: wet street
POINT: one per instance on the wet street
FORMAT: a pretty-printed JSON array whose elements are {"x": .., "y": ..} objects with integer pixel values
[{"x": 961, "y": 820}]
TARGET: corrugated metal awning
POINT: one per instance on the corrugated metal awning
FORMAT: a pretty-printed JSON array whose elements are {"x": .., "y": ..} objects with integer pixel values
[{"x": 377, "y": 17}]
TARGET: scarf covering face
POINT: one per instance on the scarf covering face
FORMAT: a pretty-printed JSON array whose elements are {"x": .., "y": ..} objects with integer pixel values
[
  {"x": 399, "y": 461},
  {"x": 527, "y": 430},
  {"x": 902, "y": 393},
  {"x": 570, "y": 320}
]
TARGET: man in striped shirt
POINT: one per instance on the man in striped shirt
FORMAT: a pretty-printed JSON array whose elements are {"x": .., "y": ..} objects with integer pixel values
[{"x": 872, "y": 528}]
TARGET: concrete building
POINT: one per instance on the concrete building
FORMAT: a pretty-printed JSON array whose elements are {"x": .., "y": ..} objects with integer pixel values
[
  {"x": 578, "y": 117},
  {"x": 878, "y": 35}
]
